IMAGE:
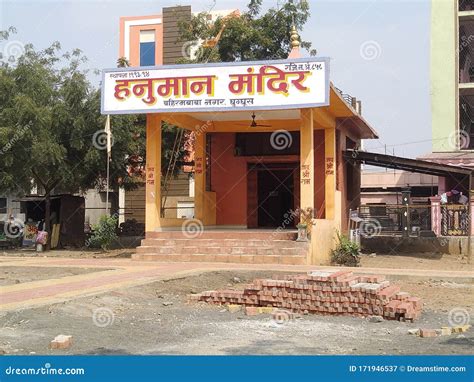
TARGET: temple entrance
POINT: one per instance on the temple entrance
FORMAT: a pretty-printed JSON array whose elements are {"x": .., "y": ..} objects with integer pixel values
[
  {"x": 275, "y": 197},
  {"x": 272, "y": 195}
]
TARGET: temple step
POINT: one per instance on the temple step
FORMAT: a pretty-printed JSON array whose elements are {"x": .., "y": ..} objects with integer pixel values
[
  {"x": 225, "y": 234},
  {"x": 241, "y": 250},
  {"x": 252, "y": 247},
  {"x": 246, "y": 259},
  {"x": 222, "y": 243}
]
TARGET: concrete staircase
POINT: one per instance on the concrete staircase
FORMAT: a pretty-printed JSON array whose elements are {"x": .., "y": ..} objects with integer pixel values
[{"x": 227, "y": 246}]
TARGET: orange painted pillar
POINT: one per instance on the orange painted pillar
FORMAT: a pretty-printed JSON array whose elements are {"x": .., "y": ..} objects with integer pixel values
[
  {"x": 330, "y": 173},
  {"x": 200, "y": 176},
  {"x": 307, "y": 160},
  {"x": 153, "y": 172}
]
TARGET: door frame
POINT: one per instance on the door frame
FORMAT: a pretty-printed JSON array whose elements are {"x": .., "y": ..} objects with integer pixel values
[{"x": 252, "y": 187}]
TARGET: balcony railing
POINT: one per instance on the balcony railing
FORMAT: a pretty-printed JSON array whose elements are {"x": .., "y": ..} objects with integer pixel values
[{"x": 353, "y": 101}]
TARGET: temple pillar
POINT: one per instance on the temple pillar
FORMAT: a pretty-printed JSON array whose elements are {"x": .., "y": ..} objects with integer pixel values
[
  {"x": 153, "y": 172},
  {"x": 330, "y": 173},
  {"x": 200, "y": 176},
  {"x": 307, "y": 160}
]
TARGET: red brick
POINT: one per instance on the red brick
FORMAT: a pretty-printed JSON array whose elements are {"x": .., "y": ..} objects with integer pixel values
[
  {"x": 339, "y": 275},
  {"x": 388, "y": 291},
  {"x": 251, "y": 311},
  {"x": 428, "y": 333}
]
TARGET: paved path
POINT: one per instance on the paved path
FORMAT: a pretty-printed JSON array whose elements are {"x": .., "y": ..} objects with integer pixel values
[{"x": 120, "y": 273}]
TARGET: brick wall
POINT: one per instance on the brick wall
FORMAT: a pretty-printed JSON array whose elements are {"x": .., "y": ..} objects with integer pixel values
[{"x": 172, "y": 47}]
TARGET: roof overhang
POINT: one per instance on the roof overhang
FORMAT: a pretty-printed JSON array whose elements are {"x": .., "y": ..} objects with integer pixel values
[
  {"x": 338, "y": 110},
  {"x": 347, "y": 115},
  {"x": 406, "y": 164}
]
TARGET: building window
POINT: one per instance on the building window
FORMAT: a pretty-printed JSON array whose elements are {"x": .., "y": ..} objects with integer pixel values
[
  {"x": 466, "y": 53},
  {"x": 466, "y": 5},
  {"x": 3, "y": 205},
  {"x": 147, "y": 48},
  {"x": 466, "y": 121}
]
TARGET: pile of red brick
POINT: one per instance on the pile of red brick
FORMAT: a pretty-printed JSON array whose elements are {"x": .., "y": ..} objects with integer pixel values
[{"x": 322, "y": 292}]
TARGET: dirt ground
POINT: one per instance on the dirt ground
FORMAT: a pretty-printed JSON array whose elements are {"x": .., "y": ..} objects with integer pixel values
[
  {"x": 427, "y": 261},
  {"x": 156, "y": 319},
  {"x": 17, "y": 275},
  {"x": 71, "y": 253}
]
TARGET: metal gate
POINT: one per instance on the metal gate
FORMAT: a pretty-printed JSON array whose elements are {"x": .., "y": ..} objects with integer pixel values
[{"x": 454, "y": 220}]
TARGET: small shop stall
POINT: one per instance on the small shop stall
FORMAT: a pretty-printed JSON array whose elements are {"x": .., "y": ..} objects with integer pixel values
[{"x": 67, "y": 219}]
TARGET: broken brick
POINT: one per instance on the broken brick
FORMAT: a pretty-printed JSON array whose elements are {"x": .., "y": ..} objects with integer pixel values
[
  {"x": 61, "y": 342},
  {"x": 428, "y": 333}
]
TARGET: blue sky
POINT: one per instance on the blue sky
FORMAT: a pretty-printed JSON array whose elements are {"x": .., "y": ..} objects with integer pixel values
[{"x": 379, "y": 50}]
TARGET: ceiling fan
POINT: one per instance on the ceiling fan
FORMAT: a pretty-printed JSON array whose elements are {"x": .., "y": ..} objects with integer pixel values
[{"x": 255, "y": 124}]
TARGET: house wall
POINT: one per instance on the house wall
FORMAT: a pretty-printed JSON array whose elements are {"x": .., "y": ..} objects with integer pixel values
[
  {"x": 444, "y": 73},
  {"x": 12, "y": 207},
  {"x": 229, "y": 177},
  {"x": 348, "y": 180},
  {"x": 228, "y": 181},
  {"x": 95, "y": 205},
  {"x": 130, "y": 28}
]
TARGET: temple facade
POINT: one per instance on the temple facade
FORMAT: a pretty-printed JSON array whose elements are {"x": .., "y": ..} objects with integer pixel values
[{"x": 268, "y": 138}]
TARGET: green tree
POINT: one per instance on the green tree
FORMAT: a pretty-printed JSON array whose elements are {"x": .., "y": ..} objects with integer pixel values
[
  {"x": 122, "y": 62},
  {"x": 253, "y": 35},
  {"x": 51, "y": 130}
]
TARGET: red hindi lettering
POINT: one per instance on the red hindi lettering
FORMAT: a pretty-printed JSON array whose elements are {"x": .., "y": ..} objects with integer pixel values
[{"x": 122, "y": 86}]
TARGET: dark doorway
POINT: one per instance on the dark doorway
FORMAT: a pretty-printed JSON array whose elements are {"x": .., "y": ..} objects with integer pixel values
[{"x": 275, "y": 197}]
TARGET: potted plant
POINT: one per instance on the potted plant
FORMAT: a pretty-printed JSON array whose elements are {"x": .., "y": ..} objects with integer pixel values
[
  {"x": 306, "y": 224},
  {"x": 302, "y": 232},
  {"x": 347, "y": 253}
]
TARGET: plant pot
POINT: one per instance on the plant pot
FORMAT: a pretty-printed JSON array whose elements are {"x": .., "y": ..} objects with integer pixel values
[{"x": 302, "y": 233}]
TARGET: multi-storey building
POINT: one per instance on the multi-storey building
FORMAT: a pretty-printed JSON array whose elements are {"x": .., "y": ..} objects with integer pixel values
[
  {"x": 452, "y": 85},
  {"x": 153, "y": 40}
]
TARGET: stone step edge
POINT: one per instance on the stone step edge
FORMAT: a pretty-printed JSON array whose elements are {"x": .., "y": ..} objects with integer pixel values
[
  {"x": 248, "y": 259},
  {"x": 194, "y": 246},
  {"x": 214, "y": 254}
]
